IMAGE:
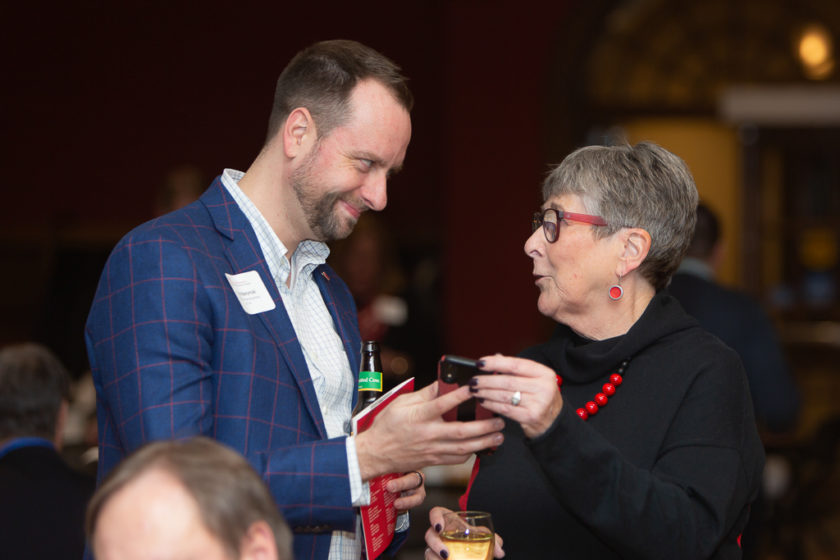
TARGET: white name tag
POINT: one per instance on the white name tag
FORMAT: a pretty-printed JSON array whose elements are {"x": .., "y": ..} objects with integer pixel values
[{"x": 251, "y": 292}]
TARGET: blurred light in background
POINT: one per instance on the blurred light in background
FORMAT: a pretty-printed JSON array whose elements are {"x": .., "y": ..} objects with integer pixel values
[{"x": 815, "y": 51}]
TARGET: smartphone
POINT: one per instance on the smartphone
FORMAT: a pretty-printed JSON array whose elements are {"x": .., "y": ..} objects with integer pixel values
[{"x": 453, "y": 372}]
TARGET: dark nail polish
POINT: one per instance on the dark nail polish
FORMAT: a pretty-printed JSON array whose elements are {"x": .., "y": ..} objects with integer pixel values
[
  {"x": 438, "y": 527},
  {"x": 480, "y": 400},
  {"x": 480, "y": 363},
  {"x": 444, "y": 554},
  {"x": 473, "y": 382},
  {"x": 473, "y": 389}
]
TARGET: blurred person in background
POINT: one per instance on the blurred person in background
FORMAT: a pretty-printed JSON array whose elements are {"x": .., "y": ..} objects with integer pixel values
[
  {"x": 740, "y": 322},
  {"x": 182, "y": 185},
  {"x": 186, "y": 499},
  {"x": 42, "y": 500},
  {"x": 386, "y": 299}
]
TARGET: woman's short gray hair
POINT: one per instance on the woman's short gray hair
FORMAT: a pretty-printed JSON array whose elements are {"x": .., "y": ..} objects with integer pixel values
[{"x": 643, "y": 186}]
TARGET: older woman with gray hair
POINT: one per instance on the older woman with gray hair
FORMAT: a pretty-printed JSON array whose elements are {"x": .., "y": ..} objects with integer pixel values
[{"x": 631, "y": 431}]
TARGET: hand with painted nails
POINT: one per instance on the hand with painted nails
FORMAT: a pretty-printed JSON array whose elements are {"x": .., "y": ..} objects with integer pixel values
[
  {"x": 436, "y": 549},
  {"x": 523, "y": 390}
]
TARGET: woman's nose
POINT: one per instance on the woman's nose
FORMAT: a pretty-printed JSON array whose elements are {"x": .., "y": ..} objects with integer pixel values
[{"x": 533, "y": 244}]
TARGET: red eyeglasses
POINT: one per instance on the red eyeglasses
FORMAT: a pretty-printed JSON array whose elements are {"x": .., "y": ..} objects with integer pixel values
[{"x": 549, "y": 220}]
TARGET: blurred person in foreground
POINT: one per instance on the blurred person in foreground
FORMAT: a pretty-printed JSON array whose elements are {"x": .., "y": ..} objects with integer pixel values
[
  {"x": 222, "y": 318},
  {"x": 42, "y": 500},
  {"x": 186, "y": 499},
  {"x": 631, "y": 431},
  {"x": 739, "y": 322}
]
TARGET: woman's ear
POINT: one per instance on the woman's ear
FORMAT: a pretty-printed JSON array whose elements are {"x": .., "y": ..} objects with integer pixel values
[
  {"x": 636, "y": 242},
  {"x": 298, "y": 132}
]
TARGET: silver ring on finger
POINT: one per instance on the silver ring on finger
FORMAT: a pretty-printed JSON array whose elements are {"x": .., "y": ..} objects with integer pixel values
[{"x": 516, "y": 398}]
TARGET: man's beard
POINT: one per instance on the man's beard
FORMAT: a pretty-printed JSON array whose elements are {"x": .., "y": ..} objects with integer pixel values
[{"x": 326, "y": 223}]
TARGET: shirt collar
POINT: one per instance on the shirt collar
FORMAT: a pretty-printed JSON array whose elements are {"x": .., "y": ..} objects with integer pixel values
[
  {"x": 697, "y": 267},
  {"x": 309, "y": 253}
]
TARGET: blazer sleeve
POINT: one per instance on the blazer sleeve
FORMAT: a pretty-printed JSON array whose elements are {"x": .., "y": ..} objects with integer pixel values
[{"x": 154, "y": 334}]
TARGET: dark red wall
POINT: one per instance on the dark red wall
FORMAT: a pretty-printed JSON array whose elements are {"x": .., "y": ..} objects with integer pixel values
[
  {"x": 98, "y": 103},
  {"x": 498, "y": 84}
]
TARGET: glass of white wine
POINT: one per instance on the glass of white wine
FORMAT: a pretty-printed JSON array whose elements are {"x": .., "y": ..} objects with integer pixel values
[{"x": 468, "y": 535}]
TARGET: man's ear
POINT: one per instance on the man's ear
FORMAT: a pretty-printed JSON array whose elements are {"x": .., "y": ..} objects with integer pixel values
[
  {"x": 636, "y": 246},
  {"x": 298, "y": 132},
  {"x": 258, "y": 543},
  {"x": 717, "y": 255}
]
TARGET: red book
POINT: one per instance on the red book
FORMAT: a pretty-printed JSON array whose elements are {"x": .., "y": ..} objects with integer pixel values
[{"x": 380, "y": 517}]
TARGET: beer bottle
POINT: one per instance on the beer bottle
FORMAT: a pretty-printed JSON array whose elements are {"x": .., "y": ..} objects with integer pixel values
[{"x": 370, "y": 376}]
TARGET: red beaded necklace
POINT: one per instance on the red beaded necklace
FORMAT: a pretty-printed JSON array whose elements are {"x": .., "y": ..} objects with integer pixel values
[{"x": 607, "y": 391}]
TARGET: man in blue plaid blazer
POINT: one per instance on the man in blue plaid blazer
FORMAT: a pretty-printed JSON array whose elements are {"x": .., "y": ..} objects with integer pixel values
[{"x": 223, "y": 319}]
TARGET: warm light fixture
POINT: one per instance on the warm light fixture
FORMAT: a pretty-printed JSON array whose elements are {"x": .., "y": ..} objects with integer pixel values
[{"x": 815, "y": 51}]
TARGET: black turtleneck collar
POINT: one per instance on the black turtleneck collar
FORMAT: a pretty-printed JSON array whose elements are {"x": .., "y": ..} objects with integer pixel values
[{"x": 580, "y": 360}]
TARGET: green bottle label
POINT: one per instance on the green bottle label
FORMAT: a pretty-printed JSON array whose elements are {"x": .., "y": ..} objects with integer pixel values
[{"x": 370, "y": 381}]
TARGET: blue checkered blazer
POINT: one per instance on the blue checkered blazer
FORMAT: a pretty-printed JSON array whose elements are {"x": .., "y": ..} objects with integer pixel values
[{"x": 173, "y": 354}]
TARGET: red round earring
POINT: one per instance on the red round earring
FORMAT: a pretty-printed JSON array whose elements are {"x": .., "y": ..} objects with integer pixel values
[{"x": 616, "y": 291}]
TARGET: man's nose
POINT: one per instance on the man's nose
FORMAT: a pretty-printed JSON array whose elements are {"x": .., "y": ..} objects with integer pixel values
[{"x": 375, "y": 191}]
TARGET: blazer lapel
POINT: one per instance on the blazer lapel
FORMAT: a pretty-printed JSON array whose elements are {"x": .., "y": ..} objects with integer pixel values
[
  {"x": 244, "y": 254},
  {"x": 342, "y": 309}
]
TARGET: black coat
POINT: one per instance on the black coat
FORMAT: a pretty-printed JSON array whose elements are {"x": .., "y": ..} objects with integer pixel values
[
  {"x": 667, "y": 469},
  {"x": 42, "y": 505}
]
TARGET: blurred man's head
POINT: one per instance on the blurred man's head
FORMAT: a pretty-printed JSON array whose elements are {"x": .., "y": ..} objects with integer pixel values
[
  {"x": 192, "y": 499},
  {"x": 706, "y": 236},
  {"x": 34, "y": 391}
]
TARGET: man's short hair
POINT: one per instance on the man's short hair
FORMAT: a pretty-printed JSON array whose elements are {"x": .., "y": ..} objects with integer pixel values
[
  {"x": 230, "y": 494},
  {"x": 322, "y": 77},
  {"x": 33, "y": 383}
]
